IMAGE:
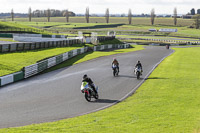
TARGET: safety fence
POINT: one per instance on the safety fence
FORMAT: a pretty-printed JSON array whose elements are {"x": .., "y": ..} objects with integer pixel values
[
  {"x": 105, "y": 38},
  {"x": 157, "y": 44},
  {"x": 42, "y": 65},
  {"x": 36, "y": 45},
  {"x": 20, "y": 30},
  {"x": 21, "y": 46},
  {"x": 111, "y": 46},
  {"x": 164, "y": 40}
]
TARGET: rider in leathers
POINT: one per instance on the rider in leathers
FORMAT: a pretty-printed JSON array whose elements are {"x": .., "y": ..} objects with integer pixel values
[
  {"x": 139, "y": 65},
  {"x": 90, "y": 82},
  {"x": 115, "y": 62}
]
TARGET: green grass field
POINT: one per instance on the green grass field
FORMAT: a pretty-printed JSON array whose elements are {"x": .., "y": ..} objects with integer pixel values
[
  {"x": 97, "y": 24},
  {"x": 124, "y": 20},
  {"x": 13, "y": 62},
  {"x": 167, "y": 102}
]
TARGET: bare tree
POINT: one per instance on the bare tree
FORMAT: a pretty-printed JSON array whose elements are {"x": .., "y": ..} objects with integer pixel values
[
  {"x": 129, "y": 16},
  {"x": 196, "y": 19},
  {"x": 87, "y": 15},
  {"x": 107, "y": 15},
  {"x": 152, "y": 16},
  {"x": 29, "y": 14},
  {"x": 175, "y": 16},
  {"x": 67, "y": 15},
  {"x": 48, "y": 15},
  {"x": 12, "y": 15}
]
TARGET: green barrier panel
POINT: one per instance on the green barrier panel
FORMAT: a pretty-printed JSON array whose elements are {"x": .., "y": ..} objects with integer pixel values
[
  {"x": 5, "y": 48},
  {"x": 85, "y": 49},
  {"x": 98, "y": 48},
  {"x": 6, "y": 35},
  {"x": 59, "y": 59},
  {"x": 78, "y": 51},
  {"x": 58, "y": 36},
  {"x": 0, "y": 48},
  {"x": 105, "y": 46},
  {"x": 27, "y": 46},
  {"x": 54, "y": 44},
  {"x": 42, "y": 44},
  {"x": 42, "y": 65},
  {"x": 18, "y": 76},
  {"x": 59, "y": 44},
  {"x": 47, "y": 36},
  {"x": 70, "y": 54},
  {"x": 33, "y": 45},
  {"x": 46, "y": 44}
]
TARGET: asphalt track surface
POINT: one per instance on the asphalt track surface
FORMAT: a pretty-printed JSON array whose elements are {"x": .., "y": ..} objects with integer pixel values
[{"x": 56, "y": 95}]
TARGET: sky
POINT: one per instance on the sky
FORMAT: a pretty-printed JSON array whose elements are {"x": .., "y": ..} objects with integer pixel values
[{"x": 99, "y": 6}]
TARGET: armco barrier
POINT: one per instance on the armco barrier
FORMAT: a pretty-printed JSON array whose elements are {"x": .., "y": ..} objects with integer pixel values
[
  {"x": 40, "y": 66},
  {"x": 4, "y": 48},
  {"x": 7, "y": 79},
  {"x": 110, "y": 46},
  {"x": 30, "y": 70}
]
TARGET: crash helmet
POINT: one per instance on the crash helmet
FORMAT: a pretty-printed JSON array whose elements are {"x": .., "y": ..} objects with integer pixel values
[{"x": 85, "y": 76}]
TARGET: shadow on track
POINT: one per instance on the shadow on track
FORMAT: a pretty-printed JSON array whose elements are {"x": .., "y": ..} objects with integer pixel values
[
  {"x": 128, "y": 76},
  {"x": 105, "y": 101},
  {"x": 155, "y": 78}
]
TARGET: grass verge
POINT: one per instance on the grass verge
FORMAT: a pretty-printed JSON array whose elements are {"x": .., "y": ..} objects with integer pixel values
[
  {"x": 13, "y": 62},
  {"x": 167, "y": 102}
]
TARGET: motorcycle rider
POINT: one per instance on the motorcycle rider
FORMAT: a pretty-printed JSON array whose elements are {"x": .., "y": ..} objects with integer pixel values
[
  {"x": 115, "y": 62},
  {"x": 138, "y": 65},
  {"x": 90, "y": 82}
]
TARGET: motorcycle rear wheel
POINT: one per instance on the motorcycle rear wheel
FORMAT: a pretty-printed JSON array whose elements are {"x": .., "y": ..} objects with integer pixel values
[
  {"x": 114, "y": 73},
  {"x": 96, "y": 96},
  {"x": 138, "y": 75}
]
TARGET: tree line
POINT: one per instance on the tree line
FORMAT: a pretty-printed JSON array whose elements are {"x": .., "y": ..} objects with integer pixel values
[{"x": 65, "y": 13}]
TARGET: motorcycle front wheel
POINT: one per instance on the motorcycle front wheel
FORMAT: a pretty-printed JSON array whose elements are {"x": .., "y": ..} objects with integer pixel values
[{"x": 87, "y": 97}]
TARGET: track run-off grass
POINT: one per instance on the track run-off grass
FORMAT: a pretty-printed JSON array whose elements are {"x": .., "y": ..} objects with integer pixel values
[
  {"x": 13, "y": 62},
  {"x": 168, "y": 102}
]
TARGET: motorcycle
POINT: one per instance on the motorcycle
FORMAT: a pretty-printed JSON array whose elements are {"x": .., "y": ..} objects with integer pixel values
[
  {"x": 138, "y": 71},
  {"x": 167, "y": 46},
  {"x": 115, "y": 70},
  {"x": 88, "y": 91}
]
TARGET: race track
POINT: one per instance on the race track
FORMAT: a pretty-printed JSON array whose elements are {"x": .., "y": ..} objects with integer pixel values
[{"x": 56, "y": 95}]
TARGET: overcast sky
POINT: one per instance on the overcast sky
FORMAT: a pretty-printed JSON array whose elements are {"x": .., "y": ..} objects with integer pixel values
[{"x": 99, "y": 6}]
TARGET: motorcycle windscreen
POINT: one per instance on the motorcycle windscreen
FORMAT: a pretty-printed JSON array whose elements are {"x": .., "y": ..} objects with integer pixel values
[{"x": 84, "y": 85}]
